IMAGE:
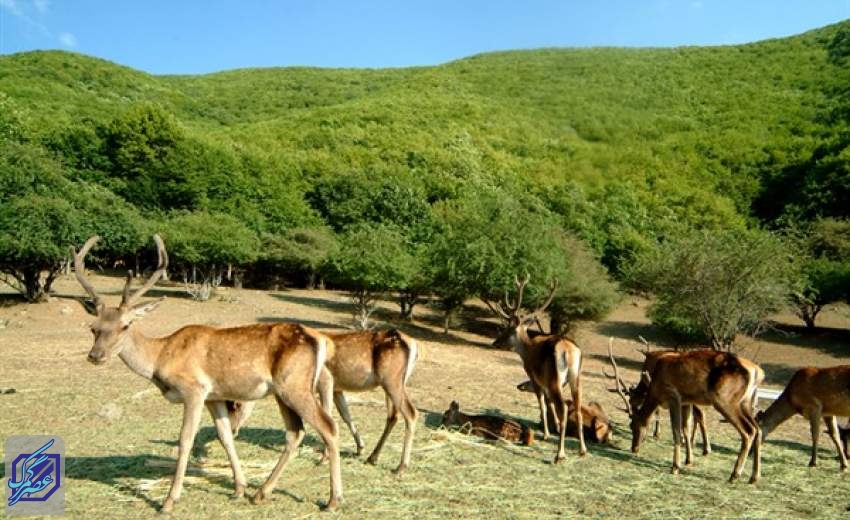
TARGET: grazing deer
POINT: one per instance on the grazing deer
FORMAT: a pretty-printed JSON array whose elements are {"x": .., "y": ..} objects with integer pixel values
[
  {"x": 488, "y": 426},
  {"x": 550, "y": 361},
  {"x": 597, "y": 426},
  {"x": 364, "y": 361},
  {"x": 703, "y": 377},
  {"x": 634, "y": 395},
  {"x": 814, "y": 393},
  {"x": 205, "y": 366}
]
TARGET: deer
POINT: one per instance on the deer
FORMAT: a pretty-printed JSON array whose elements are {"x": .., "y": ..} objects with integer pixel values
[
  {"x": 201, "y": 366},
  {"x": 488, "y": 426},
  {"x": 814, "y": 393},
  {"x": 634, "y": 395},
  {"x": 703, "y": 377},
  {"x": 597, "y": 426},
  {"x": 363, "y": 361},
  {"x": 550, "y": 361}
]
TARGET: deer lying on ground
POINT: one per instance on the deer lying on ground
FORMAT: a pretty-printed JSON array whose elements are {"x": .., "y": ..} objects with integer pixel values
[
  {"x": 597, "y": 426},
  {"x": 364, "y": 361},
  {"x": 488, "y": 426},
  {"x": 703, "y": 377},
  {"x": 204, "y": 366},
  {"x": 814, "y": 393},
  {"x": 550, "y": 361},
  {"x": 634, "y": 395}
]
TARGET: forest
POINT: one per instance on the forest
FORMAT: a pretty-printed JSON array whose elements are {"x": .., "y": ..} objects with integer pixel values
[{"x": 706, "y": 171}]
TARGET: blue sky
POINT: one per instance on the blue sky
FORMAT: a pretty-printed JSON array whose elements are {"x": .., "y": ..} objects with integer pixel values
[{"x": 189, "y": 36}]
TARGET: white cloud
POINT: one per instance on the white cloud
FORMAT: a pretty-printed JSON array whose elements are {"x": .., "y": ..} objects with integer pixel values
[
  {"x": 68, "y": 39},
  {"x": 41, "y": 5}
]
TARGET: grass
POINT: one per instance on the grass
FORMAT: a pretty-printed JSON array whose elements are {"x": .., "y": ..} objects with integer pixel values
[{"x": 121, "y": 438}]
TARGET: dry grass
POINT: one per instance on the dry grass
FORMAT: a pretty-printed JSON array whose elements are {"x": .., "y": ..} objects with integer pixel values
[{"x": 120, "y": 433}]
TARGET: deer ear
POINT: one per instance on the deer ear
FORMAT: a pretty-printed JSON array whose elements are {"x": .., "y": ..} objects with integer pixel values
[{"x": 454, "y": 406}]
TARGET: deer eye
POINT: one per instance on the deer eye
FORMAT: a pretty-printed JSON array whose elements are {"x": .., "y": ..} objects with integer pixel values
[
  {"x": 93, "y": 331},
  {"x": 124, "y": 327}
]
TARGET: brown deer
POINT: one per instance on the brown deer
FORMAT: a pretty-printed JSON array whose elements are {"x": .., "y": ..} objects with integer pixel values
[
  {"x": 364, "y": 361},
  {"x": 597, "y": 426},
  {"x": 488, "y": 426},
  {"x": 814, "y": 393},
  {"x": 634, "y": 395},
  {"x": 550, "y": 361},
  {"x": 205, "y": 366},
  {"x": 703, "y": 377}
]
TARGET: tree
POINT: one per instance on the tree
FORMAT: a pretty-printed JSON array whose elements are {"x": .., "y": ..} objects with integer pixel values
[
  {"x": 823, "y": 253},
  {"x": 204, "y": 246},
  {"x": 372, "y": 259},
  {"x": 711, "y": 286},
  {"x": 42, "y": 213},
  {"x": 300, "y": 250}
]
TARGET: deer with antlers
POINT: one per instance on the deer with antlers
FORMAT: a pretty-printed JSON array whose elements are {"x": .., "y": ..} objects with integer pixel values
[
  {"x": 634, "y": 395},
  {"x": 550, "y": 361},
  {"x": 364, "y": 361},
  {"x": 202, "y": 366},
  {"x": 814, "y": 393},
  {"x": 703, "y": 377}
]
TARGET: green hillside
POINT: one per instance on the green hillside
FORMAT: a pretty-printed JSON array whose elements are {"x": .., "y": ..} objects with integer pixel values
[{"x": 617, "y": 143}]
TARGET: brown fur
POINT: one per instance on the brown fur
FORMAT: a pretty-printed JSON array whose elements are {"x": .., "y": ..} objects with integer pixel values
[
  {"x": 204, "y": 366},
  {"x": 364, "y": 361},
  {"x": 703, "y": 377},
  {"x": 488, "y": 426},
  {"x": 550, "y": 361},
  {"x": 597, "y": 426},
  {"x": 814, "y": 393}
]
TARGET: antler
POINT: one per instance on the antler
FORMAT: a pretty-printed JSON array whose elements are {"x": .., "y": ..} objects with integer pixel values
[
  {"x": 553, "y": 286},
  {"x": 127, "y": 299},
  {"x": 506, "y": 310},
  {"x": 622, "y": 388},
  {"x": 80, "y": 269}
]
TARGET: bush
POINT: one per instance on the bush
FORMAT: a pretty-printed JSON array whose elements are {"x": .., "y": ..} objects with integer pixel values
[{"x": 711, "y": 286}]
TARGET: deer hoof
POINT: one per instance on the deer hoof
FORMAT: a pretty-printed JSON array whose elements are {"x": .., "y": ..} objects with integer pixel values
[
  {"x": 238, "y": 493},
  {"x": 733, "y": 478},
  {"x": 400, "y": 469},
  {"x": 754, "y": 479},
  {"x": 674, "y": 470},
  {"x": 167, "y": 506},
  {"x": 372, "y": 461},
  {"x": 333, "y": 504},
  {"x": 259, "y": 498},
  {"x": 813, "y": 464},
  {"x": 559, "y": 459}
]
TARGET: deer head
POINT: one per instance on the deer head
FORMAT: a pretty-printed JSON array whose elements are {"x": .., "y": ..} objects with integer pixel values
[
  {"x": 516, "y": 333},
  {"x": 450, "y": 416},
  {"x": 111, "y": 325}
]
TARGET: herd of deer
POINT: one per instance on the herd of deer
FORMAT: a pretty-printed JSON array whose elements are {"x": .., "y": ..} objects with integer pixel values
[{"x": 227, "y": 369}]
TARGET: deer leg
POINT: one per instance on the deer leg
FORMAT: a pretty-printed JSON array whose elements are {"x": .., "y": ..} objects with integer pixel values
[
  {"x": 310, "y": 411},
  {"x": 392, "y": 419},
  {"x": 563, "y": 410},
  {"x": 294, "y": 436},
  {"x": 676, "y": 426},
  {"x": 699, "y": 419},
  {"x": 749, "y": 415},
  {"x": 814, "y": 423},
  {"x": 402, "y": 403},
  {"x": 342, "y": 408},
  {"x": 575, "y": 387},
  {"x": 688, "y": 432},
  {"x": 541, "y": 403},
  {"x": 832, "y": 428},
  {"x": 218, "y": 410},
  {"x": 745, "y": 427},
  {"x": 192, "y": 407},
  {"x": 655, "y": 432}
]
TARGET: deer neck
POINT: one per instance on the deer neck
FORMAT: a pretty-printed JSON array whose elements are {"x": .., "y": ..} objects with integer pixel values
[
  {"x": 140, "y": 352},
  {"x": 521, "y": 342},
  {"x": 776, "y": 414}
]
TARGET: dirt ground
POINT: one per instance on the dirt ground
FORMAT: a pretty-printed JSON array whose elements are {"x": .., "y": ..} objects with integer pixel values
[{"x": 99, "y": 410}]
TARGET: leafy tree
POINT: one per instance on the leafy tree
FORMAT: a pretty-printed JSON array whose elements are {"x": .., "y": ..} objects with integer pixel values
[
  {"x": 42, "y": 213},
  {"x": 204, "y": 246},
  {"x": 711, "y": 286},
  {"x": 372, "y": 259},
  {"x": 300, "y": 251},
  {"x": 824, "y": 250}
]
